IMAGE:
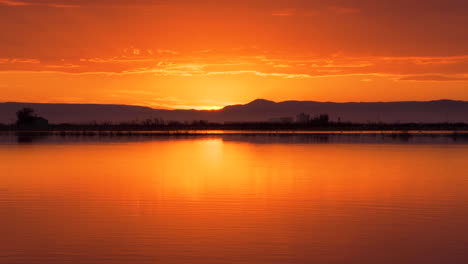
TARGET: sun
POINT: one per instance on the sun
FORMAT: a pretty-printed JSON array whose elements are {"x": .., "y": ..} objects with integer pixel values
[{"x": 209, "y": 107}]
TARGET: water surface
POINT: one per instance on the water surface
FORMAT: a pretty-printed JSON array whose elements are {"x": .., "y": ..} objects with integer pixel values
[{"x": 233, "y": 200}]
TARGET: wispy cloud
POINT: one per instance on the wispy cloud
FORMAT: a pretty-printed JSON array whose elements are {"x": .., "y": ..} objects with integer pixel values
[
  {"x": 258, "y": 73},
  {"x": 19, "y": 61},
  {"x": 167, "y": 51},
  {"x": 30, "y": 3},
  {"x": 173, "y": 63},
  {"x": 289, "y": 12},
  {"x": 86, "y": 3},
  {"x": 13, "y": 3},
  {"x": 284, "y": 12},
  {"x": 435, "y": 78}
]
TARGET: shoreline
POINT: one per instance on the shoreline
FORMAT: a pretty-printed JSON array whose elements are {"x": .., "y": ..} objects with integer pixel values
[
  {"x": 92, "y": 133},
  {"x": 261, "y": 137}
]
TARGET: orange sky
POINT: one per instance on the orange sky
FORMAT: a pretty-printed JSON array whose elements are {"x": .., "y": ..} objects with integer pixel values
[{"x": 205, "y": 54}]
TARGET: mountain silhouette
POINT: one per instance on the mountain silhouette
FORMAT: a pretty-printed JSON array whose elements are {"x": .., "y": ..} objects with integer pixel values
[{"x": 257, "y": 110}]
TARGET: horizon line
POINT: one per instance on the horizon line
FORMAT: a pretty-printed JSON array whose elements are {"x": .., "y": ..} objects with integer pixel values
[{"x": 215, "y": 108}]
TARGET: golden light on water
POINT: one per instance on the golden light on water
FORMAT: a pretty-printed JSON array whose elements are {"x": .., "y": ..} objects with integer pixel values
[{"x": 233, "y": 200}]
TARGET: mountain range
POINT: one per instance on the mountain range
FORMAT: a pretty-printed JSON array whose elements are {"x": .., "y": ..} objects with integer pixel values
[{"x": 257, "y": 110}]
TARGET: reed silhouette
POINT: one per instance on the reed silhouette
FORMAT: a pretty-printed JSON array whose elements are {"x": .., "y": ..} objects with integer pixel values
[{"x": 29, "y": 121}]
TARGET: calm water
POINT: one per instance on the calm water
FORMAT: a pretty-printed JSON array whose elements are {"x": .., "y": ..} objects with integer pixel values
[{"x": 218, "y": 200}]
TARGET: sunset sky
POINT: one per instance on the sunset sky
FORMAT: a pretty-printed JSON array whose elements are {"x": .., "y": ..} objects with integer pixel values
[{"x": 207, "y": 54}]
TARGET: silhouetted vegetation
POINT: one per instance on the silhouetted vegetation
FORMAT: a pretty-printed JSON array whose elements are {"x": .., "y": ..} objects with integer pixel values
[
  {"x": 27, "y": 119},
  {"x": 243, "y": 126},
  {"x": 302, "y": 128}
]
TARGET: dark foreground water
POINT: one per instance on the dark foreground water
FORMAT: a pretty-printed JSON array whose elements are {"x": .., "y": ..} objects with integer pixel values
[{"x": 216, "y": 200}]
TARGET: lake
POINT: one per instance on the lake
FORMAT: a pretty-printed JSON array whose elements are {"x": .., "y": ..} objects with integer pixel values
[{"x": 239, "y": 199}]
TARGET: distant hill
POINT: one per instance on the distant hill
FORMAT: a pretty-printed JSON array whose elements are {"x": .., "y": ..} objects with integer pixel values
[
  {"x": 391, "y": 112},
  {"x": 258, "y": 110}
]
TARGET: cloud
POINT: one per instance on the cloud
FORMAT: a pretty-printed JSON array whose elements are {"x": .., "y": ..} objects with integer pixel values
[
  {"x": 258, "y": 73},
  {"x": 98, "y": 27},
  {"x": 436, "y": 78},
  {"x": 16, "y": 61},
  {"x": 167, "y": 51},
  {"x": 13, "y": 3},
  {"x": 167, "y": 62},
  {"x": 284, "y": 12},
  {"x": 305, "y": 12},
  {"x": 85, "y": 3},
  {"x": 36, "y": 3}
]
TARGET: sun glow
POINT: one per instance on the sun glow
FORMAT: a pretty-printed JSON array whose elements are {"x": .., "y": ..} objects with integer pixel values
[
  {"x": 298, "y": 50},
  {"x": 209, "y": 107}
]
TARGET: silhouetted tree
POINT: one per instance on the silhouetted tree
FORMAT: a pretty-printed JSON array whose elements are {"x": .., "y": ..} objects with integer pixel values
[
  {"x": 25, "y": 116},
  {"x": 324, "y": 118},
  {"x": 303, "y": 118}
]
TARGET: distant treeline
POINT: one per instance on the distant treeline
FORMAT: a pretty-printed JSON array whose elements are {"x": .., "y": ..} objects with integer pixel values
[
  {"x": 27, "y": 120},
  {"x": 261, "y": 126}
]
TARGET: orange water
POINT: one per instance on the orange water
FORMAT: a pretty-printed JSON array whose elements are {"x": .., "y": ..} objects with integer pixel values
[{"x": 214, "y": 201}]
